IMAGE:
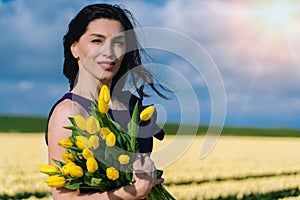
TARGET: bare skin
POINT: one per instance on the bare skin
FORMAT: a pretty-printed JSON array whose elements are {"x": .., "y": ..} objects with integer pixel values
[{"x": 99, "y": 52}]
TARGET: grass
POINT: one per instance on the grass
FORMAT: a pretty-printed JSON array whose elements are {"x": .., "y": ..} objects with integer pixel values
[
  {"x": 33, "y": 124},
  {"x": 22, "y": 124},
  {"x": 236, "y": 131}
]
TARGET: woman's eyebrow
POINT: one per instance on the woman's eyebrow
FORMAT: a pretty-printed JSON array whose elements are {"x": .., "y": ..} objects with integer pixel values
[
  {"x": 121, "y": 36},
  {"x": 97, "y": 35},
  {"x": 118, "y": 37}
]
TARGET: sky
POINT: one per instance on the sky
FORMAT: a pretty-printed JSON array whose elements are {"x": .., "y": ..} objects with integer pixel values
[{"x": 253, "y": 45}]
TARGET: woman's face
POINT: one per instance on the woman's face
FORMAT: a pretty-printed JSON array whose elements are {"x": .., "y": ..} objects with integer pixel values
[{"x": 100, "y": 50}]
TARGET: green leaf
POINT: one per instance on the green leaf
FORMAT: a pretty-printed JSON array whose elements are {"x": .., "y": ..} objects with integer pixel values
[
  {"x": 71, "y": 127},
  {"x": 159, "y": 191},
  {"x": 96, "y": 181},
  {"x": 76, "y": 149},
  {"x": 114, "y": 126},
  {"x": 72, "y": 120},
  {"x": 133, "y": 127},
  {"x": 159, "y": 173},
  {"x": 73, "y": 185},
  {"x": 53, "y": 173},
  {"x": 60, "y": 164}
]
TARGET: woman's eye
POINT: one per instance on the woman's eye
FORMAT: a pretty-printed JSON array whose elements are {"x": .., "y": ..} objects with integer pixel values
[
  {"x": 97, "y": 41},
  {"x": 119, "y": 43}
]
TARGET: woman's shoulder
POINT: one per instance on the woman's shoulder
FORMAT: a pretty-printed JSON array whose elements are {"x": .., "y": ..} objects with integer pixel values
[{"x": 63, "y": 110}]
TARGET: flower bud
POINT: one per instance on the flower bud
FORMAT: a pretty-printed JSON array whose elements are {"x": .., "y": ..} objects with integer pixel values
[
  {"x": 66, "y": 143},
  {"x": 92, "y": 125},
  {"x": 147, "y": 113},
  {"x": 67, "y": 168},
  {"x": 112, "y": 173},
  {"x": 102, "y": 106},
  {"x": 48, "y": 168},
  {"x": 80, "y": 122},
  {"x": 111, "y": 139},
  {"x": 91, "y": 165},
  {"x": 81, "y": 142},
  {"x": 56, "y": 181},
  {"x": 105, "y": 94},
  {"x": 68, "y": 157},
  {"x": 76, "y": 171},
  {"x": 124, "y": 159},
  {"x": 86, "y": 153},
  {"x": 104, "y": 132},
  {"x": 93, "y": 142}
]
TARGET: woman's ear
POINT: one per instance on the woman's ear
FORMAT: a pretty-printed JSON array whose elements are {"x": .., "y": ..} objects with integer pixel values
[{"x": 74, "y": 50}]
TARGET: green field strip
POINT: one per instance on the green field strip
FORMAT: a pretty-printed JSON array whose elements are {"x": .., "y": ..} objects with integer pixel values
[
  {"x": 292, "y": 192},
  {"x": 173, "y": 129},
  {"x": 22, "y": 124},
  {"x": 238, "y": 178},
  {"x": 36, "y": 124},
  {"x": 24, "y": 195}
]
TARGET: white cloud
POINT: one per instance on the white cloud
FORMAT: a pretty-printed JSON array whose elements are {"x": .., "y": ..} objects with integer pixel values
[{"x": 25, "y": 85}]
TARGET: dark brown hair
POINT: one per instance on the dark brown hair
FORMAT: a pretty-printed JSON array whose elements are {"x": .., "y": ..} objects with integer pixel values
[{"x": 132, "y": 58}]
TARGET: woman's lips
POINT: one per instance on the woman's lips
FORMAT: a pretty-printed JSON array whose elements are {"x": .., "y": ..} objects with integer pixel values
[{"x": 106, "y": 65}]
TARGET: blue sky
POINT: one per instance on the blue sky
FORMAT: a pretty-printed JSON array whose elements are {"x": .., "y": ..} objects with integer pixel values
[{"x": 255, "y": 47}]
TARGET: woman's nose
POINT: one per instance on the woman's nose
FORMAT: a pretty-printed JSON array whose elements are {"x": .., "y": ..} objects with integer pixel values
[{"x": 107, "y": 50}]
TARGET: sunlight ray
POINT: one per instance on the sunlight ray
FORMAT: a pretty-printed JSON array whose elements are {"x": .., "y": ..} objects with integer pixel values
[{"x": 256, "y": 69}]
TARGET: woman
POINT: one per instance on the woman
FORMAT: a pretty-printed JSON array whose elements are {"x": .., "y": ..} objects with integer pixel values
[{"x": 100, "y": 48}]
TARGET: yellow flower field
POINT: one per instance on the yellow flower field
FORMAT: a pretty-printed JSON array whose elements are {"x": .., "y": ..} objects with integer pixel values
[{"x": 239, "y": 167}]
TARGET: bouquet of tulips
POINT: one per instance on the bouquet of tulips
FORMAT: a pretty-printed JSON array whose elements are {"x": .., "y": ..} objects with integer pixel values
[{"x": 100, "y": 153}]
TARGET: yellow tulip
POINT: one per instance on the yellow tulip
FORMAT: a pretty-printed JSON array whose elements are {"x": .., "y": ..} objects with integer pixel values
[
  {"x": 92, "y": 125},
  {"x": 112, "y": 173},
  {"x": 81, "y": 142},
  {"x": 102, "y": 106},
  {"x": 66, "y": 143},
  {"x": 91, "y": 165},
  {"x": 68, "y": 157},
  {"x": 147, "y": 113},
  {"x": 124, "y": 159},
  {"x": 111, "y": 139},
  {"x": 67, "y": 168},
  {"x": 80, "y": 122},
  {"x": 105, "y": 93},
  {"x": 56, "y": 181},
  {"x": 76, "y": 171},
  {"x": 104, "y": 132},
  {"x": 48, "y": 168},
  {"x": 86, "y": 153},
  {"x": 93, "y": 142}
]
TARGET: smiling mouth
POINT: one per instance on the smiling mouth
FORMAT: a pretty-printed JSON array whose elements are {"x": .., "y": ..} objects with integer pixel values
[{"x": 106, "y": 65}]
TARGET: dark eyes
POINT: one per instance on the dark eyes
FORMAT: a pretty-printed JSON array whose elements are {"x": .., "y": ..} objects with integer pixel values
[
  {"x": 97, "y": 41},
  {"x": 114, "y": 43}
]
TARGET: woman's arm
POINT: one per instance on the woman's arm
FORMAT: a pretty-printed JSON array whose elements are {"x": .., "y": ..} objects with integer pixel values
[
  {"x": 144, "y": 174},
  {"x": 144, "y": 169}
]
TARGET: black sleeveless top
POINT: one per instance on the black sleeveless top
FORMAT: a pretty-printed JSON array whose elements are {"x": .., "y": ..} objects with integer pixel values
[{"x": 146, "y": 130}]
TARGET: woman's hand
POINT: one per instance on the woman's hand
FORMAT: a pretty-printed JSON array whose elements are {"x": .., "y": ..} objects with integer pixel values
[{"x": 145, "y": 175}]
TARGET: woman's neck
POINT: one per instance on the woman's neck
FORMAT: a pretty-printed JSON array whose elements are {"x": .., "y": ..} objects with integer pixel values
[{"x": 87, "y": 84}]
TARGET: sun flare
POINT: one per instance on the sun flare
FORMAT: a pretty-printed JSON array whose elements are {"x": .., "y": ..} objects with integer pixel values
[{"x": 277, "y": 14}]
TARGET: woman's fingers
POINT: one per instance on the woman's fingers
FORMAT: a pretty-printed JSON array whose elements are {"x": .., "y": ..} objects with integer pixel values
[
  {"x": 148, "y": 164},
  {"x": 137, "y": 164},
  {"x": 159, "y": 181},
  {"x": 144, "y": 168}
]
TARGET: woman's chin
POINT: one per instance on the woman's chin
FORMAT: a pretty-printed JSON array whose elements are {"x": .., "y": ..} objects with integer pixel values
[{"x": 106, "y": 77}]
